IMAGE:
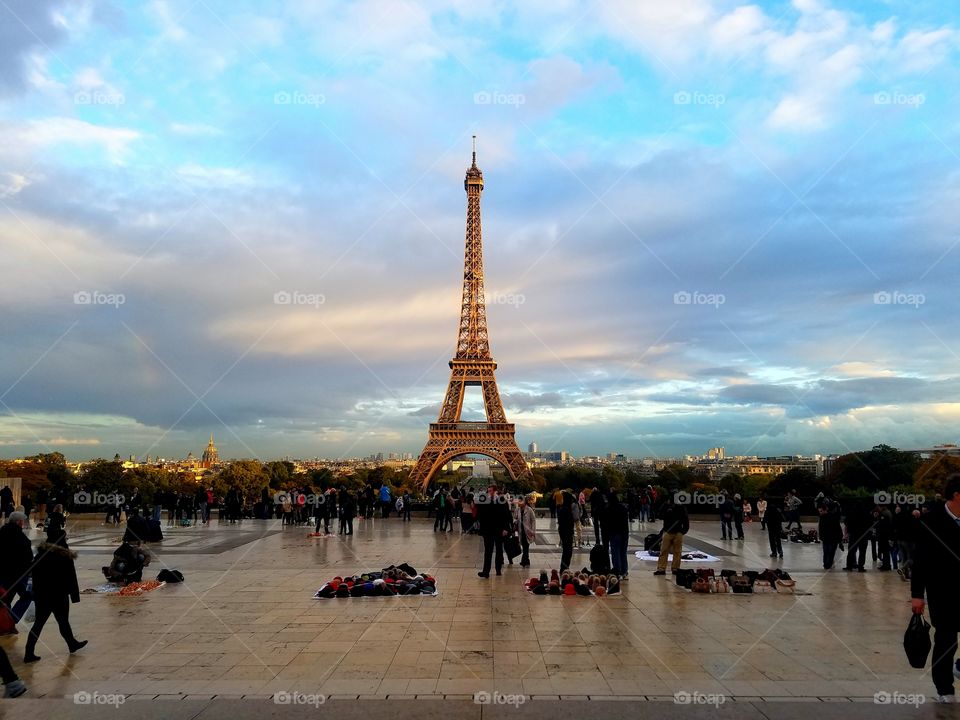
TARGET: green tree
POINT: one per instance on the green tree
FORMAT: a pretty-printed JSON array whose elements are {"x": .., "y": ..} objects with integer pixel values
[
  {"x": 879, "y": 468},
  {"x": 103, "y": 476},
  {"x": 247, "y": 476},
  {"x": 675, "y": 477}
]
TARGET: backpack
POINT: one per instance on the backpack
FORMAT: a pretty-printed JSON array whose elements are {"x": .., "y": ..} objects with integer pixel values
[
  {"x": 399, "y": 504},
  {"x": 651, "y": 542},
  {"x": 599, "y": 560}
]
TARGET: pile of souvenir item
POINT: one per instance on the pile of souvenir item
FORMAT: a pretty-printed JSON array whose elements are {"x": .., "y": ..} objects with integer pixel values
[
  {"x": 573, "y": 583},
  {"x": 704, "y": 580},
  {"x": 389, "y": 582}
]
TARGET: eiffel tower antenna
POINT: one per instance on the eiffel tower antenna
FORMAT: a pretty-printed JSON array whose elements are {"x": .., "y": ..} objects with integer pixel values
[{"x": 472, "y": 365}]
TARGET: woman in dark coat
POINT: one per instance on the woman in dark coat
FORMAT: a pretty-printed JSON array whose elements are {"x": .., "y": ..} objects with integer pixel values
[{"x": 54, "y": 588}]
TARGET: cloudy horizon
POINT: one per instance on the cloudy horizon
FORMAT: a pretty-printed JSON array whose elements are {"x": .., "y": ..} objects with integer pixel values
[{"x": 705, "y": 223}]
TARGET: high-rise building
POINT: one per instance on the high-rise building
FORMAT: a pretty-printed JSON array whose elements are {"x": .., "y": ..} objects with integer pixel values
[
  {"x": 533, "y": 448},
  {"x": 210, "y": 456}
]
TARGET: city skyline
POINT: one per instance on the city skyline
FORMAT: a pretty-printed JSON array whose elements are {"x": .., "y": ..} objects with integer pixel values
[{"x": 705, "y": 224}]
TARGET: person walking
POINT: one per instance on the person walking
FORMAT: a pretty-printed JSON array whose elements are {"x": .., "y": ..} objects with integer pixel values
[
  {"x": 726, "y": 518},
  {"x": 16, "y": 557},
  {"x": 598, "y": 509},
  {"x": 493, "y": 514},
  {"x": 738, "y": 515},
  {"x": 762, "y": 512},
  {"x": 936, "y": 567},
  {"x": 347, "y": 511},
  {"x": 859, "y": 525},
  {"x": 791, "y": 506},
  {"x": 407, "y": 506},
  {"x": 526, "y": 522},
  {"x": 13, "y": 686},
  {"x": 56, "y": 525},
  {"x": 618, "y": 523},
  {"x": 774, "y": 521},
  {"x": 576, "y": 512},
  {"x": 54, "y": 588},
  {"x": 831, "y": 533},
  {"x": 676, "y": 524}
]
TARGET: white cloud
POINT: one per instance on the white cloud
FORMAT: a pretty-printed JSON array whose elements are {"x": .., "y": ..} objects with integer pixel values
[{"x": 56, "y": 131}]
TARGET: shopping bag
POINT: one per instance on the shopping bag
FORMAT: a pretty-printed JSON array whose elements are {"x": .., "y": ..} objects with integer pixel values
[{"x": 916, "y": 641}]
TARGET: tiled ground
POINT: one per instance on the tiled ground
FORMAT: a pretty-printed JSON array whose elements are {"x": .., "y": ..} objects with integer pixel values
[{"x": 245, "y": 624}]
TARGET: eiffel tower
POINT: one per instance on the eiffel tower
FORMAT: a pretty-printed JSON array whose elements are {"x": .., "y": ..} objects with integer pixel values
[{"x": 472, "y": 365}]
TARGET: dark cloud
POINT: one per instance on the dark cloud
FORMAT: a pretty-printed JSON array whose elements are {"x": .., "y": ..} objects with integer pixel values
[{"x": 25, "y": 26}]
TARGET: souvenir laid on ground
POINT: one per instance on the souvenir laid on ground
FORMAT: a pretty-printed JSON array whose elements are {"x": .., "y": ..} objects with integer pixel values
[
  {"x": 134, "y": 588},
  {"x": 390, "y": 582},
  {"x": 737, "y": 582},
  {"x": 323, "y": 535},
  {"x": 687, "y": 555},
  {"x": 573, "y": 583}
]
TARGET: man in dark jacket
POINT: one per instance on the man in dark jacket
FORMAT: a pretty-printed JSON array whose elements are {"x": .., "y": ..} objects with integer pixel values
[
  {"x": 774, "y": 521},
  {"x": 859, "y": 524},
  {"x": 565, "y": 528},
  {"x": 618, "y": 533},
  {"x": 676, "y": 524},
  {"x": 598, "y": 513},
  {"x": 54, "y": 588},
  {"x": 495, "y": 519},
  {"x": 831, "y": 533},
  {"x": 16, "y": 557},
  {"x": 936, "y": 574}
]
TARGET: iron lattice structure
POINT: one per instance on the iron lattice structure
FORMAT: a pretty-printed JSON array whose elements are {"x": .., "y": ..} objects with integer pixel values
[{"x": 472, "y": 365}]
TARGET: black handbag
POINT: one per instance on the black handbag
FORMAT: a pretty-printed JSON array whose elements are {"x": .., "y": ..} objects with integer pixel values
[
  {"x": 916, "y": 641},
  {"x": 511, "y": 546}
]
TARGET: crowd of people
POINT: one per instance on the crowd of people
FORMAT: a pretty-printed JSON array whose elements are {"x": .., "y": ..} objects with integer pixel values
[{"x": 921, "y": 542}]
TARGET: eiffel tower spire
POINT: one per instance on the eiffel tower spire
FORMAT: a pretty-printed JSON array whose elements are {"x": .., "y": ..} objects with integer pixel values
[
  {"x": 472, "y": 365},
  {"x": 473, "y": 341}
]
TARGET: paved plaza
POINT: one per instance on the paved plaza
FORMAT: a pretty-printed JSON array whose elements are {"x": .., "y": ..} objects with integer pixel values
[{"x": 245, "y": 626}]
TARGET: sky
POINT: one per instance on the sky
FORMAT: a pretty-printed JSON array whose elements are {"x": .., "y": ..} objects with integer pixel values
[{"x": 705, "y": 223}]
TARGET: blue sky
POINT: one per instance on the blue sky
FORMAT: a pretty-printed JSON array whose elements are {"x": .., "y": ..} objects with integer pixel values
[{"x": 705, "y": 223}]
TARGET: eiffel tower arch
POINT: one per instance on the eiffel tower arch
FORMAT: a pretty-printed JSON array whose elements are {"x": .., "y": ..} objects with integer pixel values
[{"x": 472, "y": 365}]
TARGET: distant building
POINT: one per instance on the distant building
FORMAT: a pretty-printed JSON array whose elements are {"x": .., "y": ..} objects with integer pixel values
[
  {"x": 210, "y": 456},
  {"x": 716, "y": 453},
  {"x": 533, "y": 447}
]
